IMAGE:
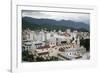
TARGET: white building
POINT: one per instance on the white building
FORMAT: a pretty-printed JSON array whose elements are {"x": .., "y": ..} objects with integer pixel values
[{"x": 48, "y": 43}]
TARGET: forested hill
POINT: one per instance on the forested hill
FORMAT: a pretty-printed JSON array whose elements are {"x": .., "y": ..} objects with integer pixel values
[{"x": 50, "y": 24}]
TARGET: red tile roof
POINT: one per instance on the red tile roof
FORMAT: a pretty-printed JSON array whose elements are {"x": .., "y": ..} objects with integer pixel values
[
  {"x": 43, "y": 53},
  {"x": 43, "y": 47}
]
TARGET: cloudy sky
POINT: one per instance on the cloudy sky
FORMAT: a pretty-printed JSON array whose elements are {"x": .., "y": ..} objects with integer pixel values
[{"x": 78, "y": 17}]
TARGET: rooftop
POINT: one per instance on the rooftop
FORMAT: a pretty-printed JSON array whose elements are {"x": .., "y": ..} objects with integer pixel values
[{"x": 43, "y": 47}]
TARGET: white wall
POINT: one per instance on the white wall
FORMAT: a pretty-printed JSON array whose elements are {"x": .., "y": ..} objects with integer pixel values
[{"x": 5, "y": 34}]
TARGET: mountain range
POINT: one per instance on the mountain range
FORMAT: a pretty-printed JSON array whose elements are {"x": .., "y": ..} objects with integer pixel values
[{"x": 51, "y": 24}]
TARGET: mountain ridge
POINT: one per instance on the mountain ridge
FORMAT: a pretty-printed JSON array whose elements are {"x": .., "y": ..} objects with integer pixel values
[{"x": 53, "y": 23}]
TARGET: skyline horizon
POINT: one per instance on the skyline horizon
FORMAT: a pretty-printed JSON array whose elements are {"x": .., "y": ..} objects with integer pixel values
[
  {"x": 81, "y": 17},
  {"x": 58, "y": 20}
]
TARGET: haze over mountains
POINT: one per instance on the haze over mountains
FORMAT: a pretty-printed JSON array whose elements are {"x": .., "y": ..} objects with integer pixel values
[{"x": 51, "y": 24}]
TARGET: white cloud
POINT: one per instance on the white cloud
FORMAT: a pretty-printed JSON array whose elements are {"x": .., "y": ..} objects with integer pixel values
[{"x": 83, "y": 17}]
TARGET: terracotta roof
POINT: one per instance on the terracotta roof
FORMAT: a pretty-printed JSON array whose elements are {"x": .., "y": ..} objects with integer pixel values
[
  {"x": 66, "y": 34},
  {"x": 43, "y": 53},
  {"x": 53, "y": 46},
  {"x": 43, "y": 47}
]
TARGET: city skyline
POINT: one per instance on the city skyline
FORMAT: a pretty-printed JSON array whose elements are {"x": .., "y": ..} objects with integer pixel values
[{"x": 55, "y": 36}]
